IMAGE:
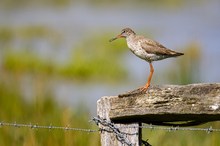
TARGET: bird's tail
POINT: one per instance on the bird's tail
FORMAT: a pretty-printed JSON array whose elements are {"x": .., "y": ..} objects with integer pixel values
[
  {"x": 175, "y": 54},
  {"x": 179, "y": 54}
]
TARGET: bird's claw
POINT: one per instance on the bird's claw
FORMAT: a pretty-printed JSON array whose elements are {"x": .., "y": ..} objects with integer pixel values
[{"x": 144, "y": 89}]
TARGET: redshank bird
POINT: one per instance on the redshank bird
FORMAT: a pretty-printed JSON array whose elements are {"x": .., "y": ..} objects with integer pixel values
[{"x": 146, "y": 49}]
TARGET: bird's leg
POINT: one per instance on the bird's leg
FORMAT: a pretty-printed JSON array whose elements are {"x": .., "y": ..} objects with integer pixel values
[{"x": 149, "y": 78}]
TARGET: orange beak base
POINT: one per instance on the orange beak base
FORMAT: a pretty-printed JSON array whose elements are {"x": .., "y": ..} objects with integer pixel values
[{"x": 117, "y": 37}]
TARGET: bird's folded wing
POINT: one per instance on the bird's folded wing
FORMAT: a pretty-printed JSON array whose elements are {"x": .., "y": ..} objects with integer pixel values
[{"x": 153, "y": 47}]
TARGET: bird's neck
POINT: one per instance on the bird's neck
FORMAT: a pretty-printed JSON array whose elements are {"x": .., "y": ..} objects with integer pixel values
[
  {"x": 130, "y": 37},
  {"x": 130, "y": 41}
]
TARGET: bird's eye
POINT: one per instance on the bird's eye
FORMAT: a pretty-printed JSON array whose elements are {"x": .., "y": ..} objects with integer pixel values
[{"x": 123, "y": 31}]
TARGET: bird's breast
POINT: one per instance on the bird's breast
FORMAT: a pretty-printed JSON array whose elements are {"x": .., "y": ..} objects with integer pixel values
[
  {"x": 141, "y": 53},
  {"x": 138, "y": 51}
]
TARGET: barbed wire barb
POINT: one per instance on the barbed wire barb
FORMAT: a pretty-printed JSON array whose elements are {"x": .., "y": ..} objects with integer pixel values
[{"x": 121, "y": 136}]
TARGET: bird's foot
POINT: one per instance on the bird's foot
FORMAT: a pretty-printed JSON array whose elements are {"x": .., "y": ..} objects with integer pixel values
[
  {"x": 144, "y": 89},
  {"x": 135, "y": 92}
]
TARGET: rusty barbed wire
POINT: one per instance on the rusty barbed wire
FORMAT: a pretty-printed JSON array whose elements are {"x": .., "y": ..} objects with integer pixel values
[
  {"x": 108, "y": 124},
  {"x": 50, "y": 127},
  {"x": 121, "y": 136},
  {"x": 109, "y": 127},
  {"x": 174, "y": 128}
]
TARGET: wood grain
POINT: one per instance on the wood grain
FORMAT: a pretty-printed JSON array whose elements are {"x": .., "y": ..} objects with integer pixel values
[{"x": 182, "y": 105}]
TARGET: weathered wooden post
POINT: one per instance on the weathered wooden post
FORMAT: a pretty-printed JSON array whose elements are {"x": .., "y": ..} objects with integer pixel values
[
  {"x": 133, "y": 135},
  {"x": 192, "y": 104}
]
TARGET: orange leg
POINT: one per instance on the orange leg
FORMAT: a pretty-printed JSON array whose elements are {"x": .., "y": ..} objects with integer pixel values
[{"x": 149, "y": 77}]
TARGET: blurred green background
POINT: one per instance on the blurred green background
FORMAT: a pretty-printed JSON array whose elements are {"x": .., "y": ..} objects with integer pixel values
[{"x": 56, "y": 62}]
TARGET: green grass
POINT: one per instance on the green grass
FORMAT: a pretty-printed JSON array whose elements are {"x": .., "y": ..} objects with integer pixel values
[
  {"x": 96, "y": 59},
  {"x": 93, "y": 60},
  {"x": 43, "y": 111}
]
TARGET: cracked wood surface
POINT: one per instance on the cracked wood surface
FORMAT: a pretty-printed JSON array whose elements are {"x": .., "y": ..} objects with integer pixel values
[{"x": 182, "y": 105}]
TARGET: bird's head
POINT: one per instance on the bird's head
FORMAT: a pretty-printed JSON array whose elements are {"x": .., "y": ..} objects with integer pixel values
[{"x": 126, "y": 32}]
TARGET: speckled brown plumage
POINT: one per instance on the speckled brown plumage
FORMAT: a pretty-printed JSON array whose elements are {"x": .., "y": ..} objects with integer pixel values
[{"x": 146, "y": 49}]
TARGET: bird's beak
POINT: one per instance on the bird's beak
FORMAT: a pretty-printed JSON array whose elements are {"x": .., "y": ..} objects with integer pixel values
[{"x": 117, "y": 37}]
